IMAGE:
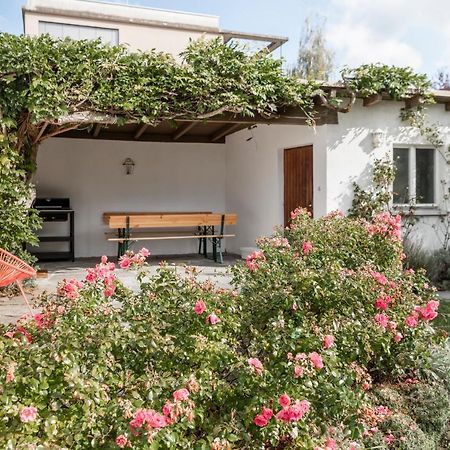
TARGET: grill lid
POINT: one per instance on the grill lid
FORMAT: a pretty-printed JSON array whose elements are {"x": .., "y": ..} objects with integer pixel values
[{"x": 52, "y": 203}]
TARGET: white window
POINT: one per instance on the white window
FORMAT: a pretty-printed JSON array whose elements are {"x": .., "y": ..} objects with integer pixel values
[
  {"x": 415, "y": 178},
  {"x": 78, "y": 32}
]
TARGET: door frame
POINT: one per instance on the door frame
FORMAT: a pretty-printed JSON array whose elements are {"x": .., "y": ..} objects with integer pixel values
[{"x": 283, "y": 186}]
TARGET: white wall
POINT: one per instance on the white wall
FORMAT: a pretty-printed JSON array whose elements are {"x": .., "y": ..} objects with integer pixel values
[
  {"x": 167, "y": 177},
  {"x": 350, "y": 156},
  {"x": 255, "y": 177},
  {"x": 343, "y": 154}
]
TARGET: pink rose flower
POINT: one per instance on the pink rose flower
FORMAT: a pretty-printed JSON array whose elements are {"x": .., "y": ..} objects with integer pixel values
[
  {"x": 167, "y": 408},
  {"x": 104, "y": 259},
  {"x": 398, "y": 337},
  {"x": 260, "y": 421},
  {"x": 389, "y": 438},
  {"x": 256, "y": 365},
  {"x": 144, "y": 252},
  {"x": 200, "y": 307},
  {"x": 328, "y": 341},
  {"x": 411, "y": 321},
  {"x": 307, "y": 247},
  {"x": 253, "y": 260},
  {"x": 121, "y": 441},
  {"x": 124, "y": 262},
  {"x": 429, "y": 312},
  {"x": 212, "y": 319},
  {"x": 298, "y": 371},
  {"x": 284, "y": 400},
  {"x": 381, "y": 304},
  {"x": 295, "y": 412},
  {"x": 267, "y": 413},
  {"x": 316, "y": 360},
  {"x": 382, "y": 320},
  {"x": 330, "y": 444},
  {"x": 181, "y": 394},
  {"x": 28, "y": 414}
]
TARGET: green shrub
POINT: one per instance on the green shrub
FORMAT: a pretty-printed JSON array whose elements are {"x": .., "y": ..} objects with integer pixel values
[
  {"x": 322, "y": 311},
  {"x": 17, "y": 221}
]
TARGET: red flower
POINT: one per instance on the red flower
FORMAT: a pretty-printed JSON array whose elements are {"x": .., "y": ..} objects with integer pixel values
[
  {"x": 181, "y": 394},
  {"x": 284, "y": 400},
  {"x": 260, "y": 420},
  {"x": 200, "y": 307},
  {"x": 307, "y": 247}
]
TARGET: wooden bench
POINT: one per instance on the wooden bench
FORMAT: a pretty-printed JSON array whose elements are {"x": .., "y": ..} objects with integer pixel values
[{"x": 137, "y": 226}]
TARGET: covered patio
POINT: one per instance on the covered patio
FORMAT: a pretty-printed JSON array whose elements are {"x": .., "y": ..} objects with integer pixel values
[{"x": 177, "y": 165}]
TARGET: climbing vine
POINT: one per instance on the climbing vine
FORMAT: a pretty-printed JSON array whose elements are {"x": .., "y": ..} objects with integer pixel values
[{"x": 49, "y": 86}]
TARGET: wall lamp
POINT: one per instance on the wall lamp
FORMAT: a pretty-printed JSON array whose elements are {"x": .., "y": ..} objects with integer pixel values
[{"x": 129, "y": 166}]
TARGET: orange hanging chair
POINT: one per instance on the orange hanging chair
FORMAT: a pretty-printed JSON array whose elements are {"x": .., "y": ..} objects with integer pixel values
[{"x": 13, "y": 269}]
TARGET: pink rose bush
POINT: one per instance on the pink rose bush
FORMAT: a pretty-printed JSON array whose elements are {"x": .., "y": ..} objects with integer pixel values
[{"x": 292, "y": 357}]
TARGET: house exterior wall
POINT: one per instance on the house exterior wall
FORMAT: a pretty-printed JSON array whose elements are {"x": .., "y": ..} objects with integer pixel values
[
  {"x": 343, "y": 154},
  {"x": 167, "y": 177},
  {"x": 140, "y": 28},
  {"x": 254, "y": 181},
  {"x": 350, "y": 155}
]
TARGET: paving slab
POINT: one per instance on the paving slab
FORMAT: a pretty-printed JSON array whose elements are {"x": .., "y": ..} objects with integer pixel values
[{"x": 11, "y": 308}]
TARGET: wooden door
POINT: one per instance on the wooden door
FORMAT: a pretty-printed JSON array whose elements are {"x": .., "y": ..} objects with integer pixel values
[{"x": 298, "y": 180}]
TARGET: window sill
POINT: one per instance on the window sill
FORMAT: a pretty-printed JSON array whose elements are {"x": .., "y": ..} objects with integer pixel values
[{"x": 425, "y": 211}]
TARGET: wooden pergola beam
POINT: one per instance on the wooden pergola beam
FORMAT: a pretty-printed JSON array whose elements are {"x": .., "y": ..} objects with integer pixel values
[
  {"x": 41, "y": 131},
  {"x": 184, "y": 129},
  {"x": 97, "y": 129},
  {"x": 140, "y": 131},
  {"x": 122, "y": 136},
  {"x": 222, "y": 132}
]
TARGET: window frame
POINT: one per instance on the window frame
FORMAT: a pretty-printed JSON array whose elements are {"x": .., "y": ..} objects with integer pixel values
[
  {"x": 80, "y": 26},
  {"x": 412, "y": 187}
]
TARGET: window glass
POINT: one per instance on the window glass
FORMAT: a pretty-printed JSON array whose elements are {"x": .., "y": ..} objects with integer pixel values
[
  {"x": 401, "y": 181},
  {"x": 63, "y": 30},
  {"x": 424, "y": 175}
]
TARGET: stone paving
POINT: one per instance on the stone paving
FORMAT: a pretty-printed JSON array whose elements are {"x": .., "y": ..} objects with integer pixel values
[{"x": 13, "y": 308}]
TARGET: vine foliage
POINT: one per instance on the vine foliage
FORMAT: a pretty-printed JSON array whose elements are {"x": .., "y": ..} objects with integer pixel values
[{"x": 49, "y": 86}]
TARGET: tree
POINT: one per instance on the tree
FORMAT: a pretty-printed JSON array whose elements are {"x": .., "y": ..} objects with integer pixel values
[
  {"x": 442, "y": 79},
  {"x": 315, "y": 60}
]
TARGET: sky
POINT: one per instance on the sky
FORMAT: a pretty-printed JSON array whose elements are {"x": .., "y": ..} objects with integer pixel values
[{"x": 400, "y": 32}]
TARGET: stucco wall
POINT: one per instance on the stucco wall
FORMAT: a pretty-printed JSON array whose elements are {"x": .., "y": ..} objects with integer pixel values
[
  {"x": 167, "y": 177},
  {"x": 350, "y": 155},
  {"x": 343, "y": 154},
  {"x": 255, "y": 177}
]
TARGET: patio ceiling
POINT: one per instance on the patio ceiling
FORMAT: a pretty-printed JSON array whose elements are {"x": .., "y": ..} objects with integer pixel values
[{"x": 213, "y": 130}]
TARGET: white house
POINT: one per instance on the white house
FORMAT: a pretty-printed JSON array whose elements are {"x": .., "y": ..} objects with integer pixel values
[{"x": 258, "y": 170}]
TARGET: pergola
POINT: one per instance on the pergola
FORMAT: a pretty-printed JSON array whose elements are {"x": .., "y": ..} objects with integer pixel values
[{"x": 211, "y": 130}]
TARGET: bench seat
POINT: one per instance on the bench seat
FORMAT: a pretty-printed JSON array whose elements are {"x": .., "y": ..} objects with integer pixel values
[{"x": 138, "y": 226}]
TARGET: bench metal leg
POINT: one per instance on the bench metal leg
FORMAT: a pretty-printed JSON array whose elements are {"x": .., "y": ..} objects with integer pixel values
[
  {"x": 214, "y": 246},
  {"x": 217, "y": 249},
  {"x": 205, "y": 250},
  {"x": 119, "y": 243}
]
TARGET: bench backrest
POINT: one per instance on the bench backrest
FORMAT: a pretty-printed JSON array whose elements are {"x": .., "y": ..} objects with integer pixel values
[{"x": 170, "y": 220}]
